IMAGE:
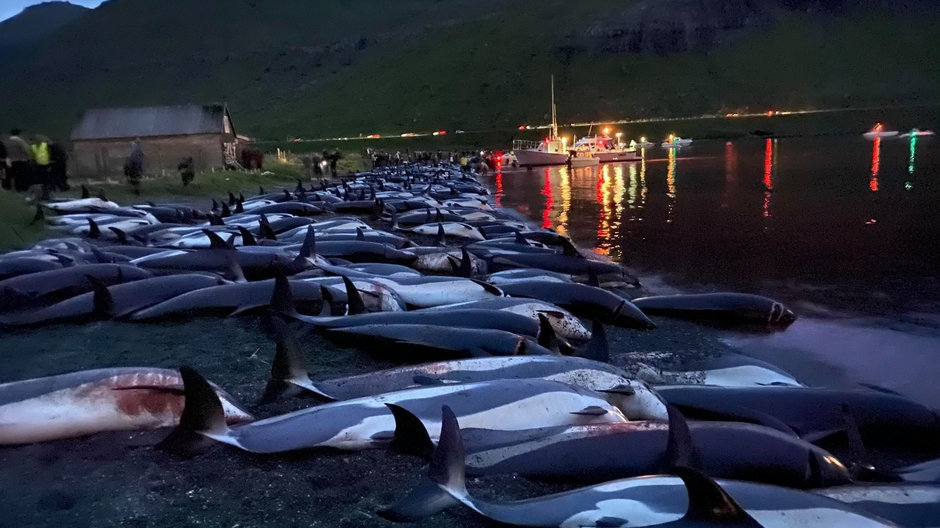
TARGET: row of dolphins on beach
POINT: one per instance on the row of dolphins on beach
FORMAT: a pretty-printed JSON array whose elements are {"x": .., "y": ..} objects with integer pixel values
[{"x": 520, "y": 382}]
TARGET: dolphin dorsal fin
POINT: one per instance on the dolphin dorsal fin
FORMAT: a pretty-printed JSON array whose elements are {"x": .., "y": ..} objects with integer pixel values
[
  {"x": 354, "y": 302},
  {"x": 102, "y": 303},
  {"x": 441, "y": 241},
  {"x": 597, "y": 348},
  {"x": 247, "y": 238},
  {"x": 710, "y": 504},
  {"x": 680, "y": 451},
  {"x": 215, "y": 241},
  {"x": 411, "y": 436}
]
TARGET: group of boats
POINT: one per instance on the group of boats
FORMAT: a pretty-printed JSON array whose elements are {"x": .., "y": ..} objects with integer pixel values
[
  {"x": 584, "y": 152},
  {"x": 878, "y": 131}
]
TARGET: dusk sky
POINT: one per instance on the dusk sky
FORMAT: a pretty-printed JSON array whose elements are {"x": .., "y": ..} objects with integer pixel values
[{"x": 9, "y": 8}]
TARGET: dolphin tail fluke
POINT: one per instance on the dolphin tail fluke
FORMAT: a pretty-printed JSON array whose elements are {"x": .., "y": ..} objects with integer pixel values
[
  {"x": 597, "y": 348},
  {"x": 354, "y": 304},
  {"x": 233, "y": 268},
  {"x": 203, "y": 416},
  {"x": 446, "y": 480},
  {"x": 411, "y": 436}
]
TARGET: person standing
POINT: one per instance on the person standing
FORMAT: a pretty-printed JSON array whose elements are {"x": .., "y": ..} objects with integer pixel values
[
  {"x": 58, "y": 167},
  {"x": 187, "y": 173},
  {"x": 20, "y": 158},
  {"x": 335, "y": 156},
  {"x": 41, "y": 161},
  {"x": 3, "y": 165},
  {"x": 134, "y": 166}
]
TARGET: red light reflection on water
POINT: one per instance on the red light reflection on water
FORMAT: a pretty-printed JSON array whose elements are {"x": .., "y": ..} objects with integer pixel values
[
  {"x": 549, "y": 202},
  {"x": 768, "y": 176},
  {"x": 875, "y": 165},
  {"x": 499, "y": 185},
  {"x": 602, "y": 214}
]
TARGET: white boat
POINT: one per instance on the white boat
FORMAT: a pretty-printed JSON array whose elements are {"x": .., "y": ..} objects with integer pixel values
[
  {"x": 644, "y": 144},
  {"x": 878, "y": 131},
  {"x": 676, "y": 142},
  {"x": 917, "y": 133},
  {"x": 578, "y": 161},
  {"x": 605, "y": 149},
  {"x": 550, "y": 151}
]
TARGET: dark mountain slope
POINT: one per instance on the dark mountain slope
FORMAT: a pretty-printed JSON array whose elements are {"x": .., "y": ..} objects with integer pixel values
[{"x": 327, "y": 67}]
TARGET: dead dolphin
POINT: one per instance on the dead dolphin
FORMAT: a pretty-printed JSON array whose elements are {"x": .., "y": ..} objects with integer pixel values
[
  {"x": 730, "y": 307},
  {"x": 91, "y": 401},
  {"x": 114, "y": 302},
  {"x": 587, "y": 301},
  {"x": 600, "y": 452},
  {"x": 364, "y": 423},
  {"x": 690, "y": 500}
]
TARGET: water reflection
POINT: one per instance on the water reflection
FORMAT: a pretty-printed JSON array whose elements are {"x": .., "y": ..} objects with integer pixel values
[
  {"x": 731, "y": 174},
  {"x": 562, "y": 225},
  {"x": 499, "y": 185},
  {"x": 909, "y": 184},
  {"x": 873, "y": 180},
  {"x": 671, "y": 186},
  {"x": 549, "y": 201},
  {"x": 809, "y": 188}
]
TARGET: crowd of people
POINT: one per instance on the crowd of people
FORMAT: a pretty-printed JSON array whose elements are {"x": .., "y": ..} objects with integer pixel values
[
  {"x": 39, "y": 161},
  {"x": 478, "y": 161},
  {"x": 316, "y": 165}
]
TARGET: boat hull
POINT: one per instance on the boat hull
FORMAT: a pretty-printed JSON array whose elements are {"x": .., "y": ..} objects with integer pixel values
[
  {"x": 887, "y": 134},
  {"x": 583, "y": 162},
  {"x": 613, "y": 157},
  {"x": 534, "y": 158}
]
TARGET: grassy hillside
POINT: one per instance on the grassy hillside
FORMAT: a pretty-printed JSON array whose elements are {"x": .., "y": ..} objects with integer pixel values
[
  {"x": 318, "y": 69},
  {"x": 37, "y": 22}
]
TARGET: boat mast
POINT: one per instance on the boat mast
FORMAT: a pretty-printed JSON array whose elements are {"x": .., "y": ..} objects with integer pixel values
[{"x": 554, "y": 112}]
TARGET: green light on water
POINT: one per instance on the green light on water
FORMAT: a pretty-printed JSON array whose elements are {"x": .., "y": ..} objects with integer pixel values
[{"x": 910, "y": 162}]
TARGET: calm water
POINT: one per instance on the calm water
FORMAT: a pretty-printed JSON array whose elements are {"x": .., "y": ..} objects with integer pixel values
[{"x": 845, "y": 230}]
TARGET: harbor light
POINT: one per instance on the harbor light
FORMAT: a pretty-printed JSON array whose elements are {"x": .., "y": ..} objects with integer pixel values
[{"x": 606, "y": 131}]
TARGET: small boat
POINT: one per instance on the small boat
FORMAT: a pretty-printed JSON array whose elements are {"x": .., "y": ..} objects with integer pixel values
[
  {"x": 917, "y": 133},
  {"x": 675, "y": 142},
  {"x": 878, "y": 131},
  {"x": 644, "y": 144},
  {"x": 605, "y": 149},
  {"x": 578, "y": 161},
  {"x": 550, "y": 151}
]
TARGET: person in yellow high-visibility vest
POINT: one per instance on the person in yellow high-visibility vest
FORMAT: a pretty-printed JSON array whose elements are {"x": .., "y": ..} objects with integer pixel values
[{"x": 41, "y": 160}]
